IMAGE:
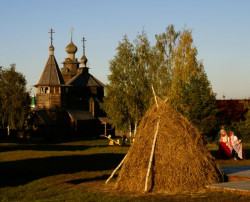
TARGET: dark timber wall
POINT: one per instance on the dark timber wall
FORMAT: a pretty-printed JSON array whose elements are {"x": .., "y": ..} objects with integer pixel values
[{"x": 47, "y": 100}]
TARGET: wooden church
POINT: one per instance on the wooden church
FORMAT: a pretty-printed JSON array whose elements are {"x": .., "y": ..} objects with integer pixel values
[{"x": 67, "y": 99}]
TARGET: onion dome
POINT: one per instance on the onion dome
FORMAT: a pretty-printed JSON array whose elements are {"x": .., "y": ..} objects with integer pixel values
[
  {"x": 84, "y": 61},
  {"x": 71, "y": 48}
]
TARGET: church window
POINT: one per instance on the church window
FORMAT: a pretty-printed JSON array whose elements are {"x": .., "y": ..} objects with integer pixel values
[
  {"x": 46, "y": 90},
  {"x": 41, "y": 90}
]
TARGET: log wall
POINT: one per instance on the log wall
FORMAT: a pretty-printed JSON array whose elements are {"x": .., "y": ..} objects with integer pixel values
[{"x": 47, "y": 100}]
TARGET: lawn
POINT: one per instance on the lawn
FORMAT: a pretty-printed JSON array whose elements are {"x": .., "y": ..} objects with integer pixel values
[{"x": 77, "y": 170}]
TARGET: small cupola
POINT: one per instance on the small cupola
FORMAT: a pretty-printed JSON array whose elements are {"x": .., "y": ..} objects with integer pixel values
[
  {"x": 84, "y": 61},
  {"x": 51, "y": 50}
]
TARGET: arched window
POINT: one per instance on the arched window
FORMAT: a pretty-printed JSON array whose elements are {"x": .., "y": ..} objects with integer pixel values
[
  {"x": 46, "y": 90},
  {"x": 41, "y": 90}
]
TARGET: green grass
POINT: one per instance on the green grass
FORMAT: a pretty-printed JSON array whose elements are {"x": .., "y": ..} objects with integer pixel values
[{"x": 76, "y": 171}]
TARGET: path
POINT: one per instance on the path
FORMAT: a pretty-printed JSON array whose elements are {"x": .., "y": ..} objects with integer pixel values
[{"x": 238, "y": 179}]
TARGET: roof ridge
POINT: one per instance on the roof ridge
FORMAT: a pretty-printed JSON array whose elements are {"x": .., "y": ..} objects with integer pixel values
[
  {"x": 74, "y": 78},
  {"x": 97, "y": 80}
]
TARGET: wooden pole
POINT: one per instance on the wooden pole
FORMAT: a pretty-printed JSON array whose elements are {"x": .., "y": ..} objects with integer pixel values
[
  {"x": 151, "y": 156},
  {"x": 115, "y": 170},
  {"x": 155, "y": 96}
]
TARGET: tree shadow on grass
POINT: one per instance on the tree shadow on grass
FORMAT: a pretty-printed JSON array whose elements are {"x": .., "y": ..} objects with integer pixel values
[
  {"x": 45, "y": 147},
  {"x": 21, "y": 172},
  {"x": 40, "y": 145}
]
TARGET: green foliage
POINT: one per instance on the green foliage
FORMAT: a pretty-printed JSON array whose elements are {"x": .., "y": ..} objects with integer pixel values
[
  {"x": 14, "y": 99},
  {"x": 161, "y": 70},
  {"x": 199, "y": 105},
  {"x": 126, "y": 94},
  {"x": 116, "y": 101},
  {"x": 172, "y": 68}
]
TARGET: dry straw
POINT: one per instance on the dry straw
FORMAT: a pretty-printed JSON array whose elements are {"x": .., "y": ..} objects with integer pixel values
[{"x": 180, "y": 162}]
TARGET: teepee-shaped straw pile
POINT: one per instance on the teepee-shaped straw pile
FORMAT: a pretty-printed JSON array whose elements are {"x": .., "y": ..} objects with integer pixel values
[{"x": 168, "y": 155}]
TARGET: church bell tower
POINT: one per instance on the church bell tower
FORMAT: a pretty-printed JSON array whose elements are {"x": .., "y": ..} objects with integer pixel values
[{"x": 50, "y": 87}]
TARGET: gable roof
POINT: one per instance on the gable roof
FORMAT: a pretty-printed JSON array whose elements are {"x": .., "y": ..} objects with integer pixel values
[
  {"x": 40, "y": 118},
  {"x": 80, "y": 115},
  {"x": 51, "y": 75},
  {"x": 84, "y": 79},
  {"x": 44, "y": 117}
]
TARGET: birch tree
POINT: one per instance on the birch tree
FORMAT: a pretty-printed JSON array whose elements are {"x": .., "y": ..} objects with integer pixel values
[
  {"x": 14, "y": 99},
  {"x": 172, "y": 67},
  {"x": 117, "y": 99}
]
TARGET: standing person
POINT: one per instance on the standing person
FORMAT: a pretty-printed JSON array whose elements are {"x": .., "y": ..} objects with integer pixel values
[
  {"x": 222, "y": 129},
  {"x": 235, "y": 144}
]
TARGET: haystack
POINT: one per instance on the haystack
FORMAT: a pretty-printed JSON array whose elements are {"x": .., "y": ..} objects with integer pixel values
[{"x": 180, "y": 161}]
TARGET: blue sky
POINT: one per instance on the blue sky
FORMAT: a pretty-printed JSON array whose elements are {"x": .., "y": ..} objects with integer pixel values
[{"x": 221, "y": 32}]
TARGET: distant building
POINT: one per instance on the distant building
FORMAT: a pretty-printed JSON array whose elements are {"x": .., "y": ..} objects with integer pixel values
[{"x": 67, "y": 99}]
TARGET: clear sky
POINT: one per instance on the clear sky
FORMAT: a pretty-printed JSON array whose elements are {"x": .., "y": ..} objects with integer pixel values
[{"x": 221, "y": 32}]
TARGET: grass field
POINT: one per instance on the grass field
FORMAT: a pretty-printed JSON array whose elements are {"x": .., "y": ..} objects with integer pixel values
[{"x": 76, "y": 171}]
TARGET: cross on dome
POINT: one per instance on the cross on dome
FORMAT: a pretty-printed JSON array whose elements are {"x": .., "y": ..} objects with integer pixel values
[
  {"x": 72, "y": 30},
  {"x": 83, "y": 45},
  {"x": 51, "y": 37}
]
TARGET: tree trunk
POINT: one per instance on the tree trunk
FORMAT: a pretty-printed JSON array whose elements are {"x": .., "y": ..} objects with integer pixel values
[{"x": 8, "y": 130}]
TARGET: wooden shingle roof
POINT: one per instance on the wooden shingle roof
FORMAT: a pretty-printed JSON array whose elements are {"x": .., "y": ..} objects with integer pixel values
[
  {"x": 80, "y": 115},
  {"x": 51, "y": 75},
  {"x": 84, "y": 79}
]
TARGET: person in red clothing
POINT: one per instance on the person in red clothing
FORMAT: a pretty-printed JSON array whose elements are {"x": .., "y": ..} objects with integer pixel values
[{"x": 224, "y": 150}]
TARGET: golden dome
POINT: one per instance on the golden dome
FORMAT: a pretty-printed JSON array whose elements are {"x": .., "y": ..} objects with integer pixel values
[{"x": 71, "y": 48}]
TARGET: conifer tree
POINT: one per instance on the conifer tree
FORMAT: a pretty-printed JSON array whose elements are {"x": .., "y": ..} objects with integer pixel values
[
  {"x": 199, "y": 104},
  {"x": 190, "y": 91}
]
